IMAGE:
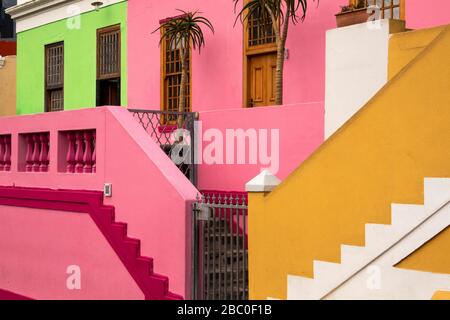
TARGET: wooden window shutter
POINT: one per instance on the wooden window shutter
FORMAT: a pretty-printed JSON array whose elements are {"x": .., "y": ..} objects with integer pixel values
[
  {"x": 108, "y": 52},
  {"x": 54, "y": 77},
  {"x": 171, "y": 78}
]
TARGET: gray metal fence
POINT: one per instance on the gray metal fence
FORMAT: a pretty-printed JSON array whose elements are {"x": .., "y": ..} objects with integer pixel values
[{"x": 220, "y": 247}]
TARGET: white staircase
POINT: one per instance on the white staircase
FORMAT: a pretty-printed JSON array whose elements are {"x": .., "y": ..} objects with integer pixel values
[{"x": 385, "y": 246}]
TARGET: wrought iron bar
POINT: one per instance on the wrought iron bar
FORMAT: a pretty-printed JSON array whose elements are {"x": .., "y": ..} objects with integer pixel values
[
  {"x": 178, "y": 145},
  {"x": 220, "y": 253}
]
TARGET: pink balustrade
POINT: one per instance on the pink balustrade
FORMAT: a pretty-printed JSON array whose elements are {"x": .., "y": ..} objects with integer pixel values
[
  {"x": 75, "y": 138},
  {"x": 5, "y": 152},
  {"x": 81, "y": 151},
  {"x": 37, "y": 157}
]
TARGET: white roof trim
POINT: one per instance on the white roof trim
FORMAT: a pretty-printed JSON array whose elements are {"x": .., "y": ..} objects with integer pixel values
[
  {"x": 35, "y": 13},
  {"x": 33, "y": 6}
]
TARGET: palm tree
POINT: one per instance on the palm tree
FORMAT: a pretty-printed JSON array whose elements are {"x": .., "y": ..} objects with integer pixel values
[
  {"x": 184, "y": 32},
  {"x": 281, "y": 13}
]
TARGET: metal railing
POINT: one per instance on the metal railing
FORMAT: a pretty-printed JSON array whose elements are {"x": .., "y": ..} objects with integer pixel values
[
  {"x": 179, "y": 146},
  {"x": 220, "y": 247}
]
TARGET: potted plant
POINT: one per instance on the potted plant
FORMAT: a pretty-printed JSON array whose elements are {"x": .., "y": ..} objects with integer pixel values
[{"x": 354, "y": 13}]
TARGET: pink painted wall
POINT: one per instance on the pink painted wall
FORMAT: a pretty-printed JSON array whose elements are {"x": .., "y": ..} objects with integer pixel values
[
  {"x": 217, "y": 73},
  {"x": 217, "y": 80},
  {"x": 149, "y": 192},
  {"x": 38, "y": 245},
  {"x": 301, "y": 132},
  {"x": 426, "y": 14}
]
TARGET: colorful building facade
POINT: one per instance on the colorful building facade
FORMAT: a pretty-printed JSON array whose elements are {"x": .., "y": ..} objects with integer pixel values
[
  {"x": 368, "y": 239},
  {"x": 358, "y": 148},
  {"x": 68, "y": 46},
  {"x": 226, "y": 59}
]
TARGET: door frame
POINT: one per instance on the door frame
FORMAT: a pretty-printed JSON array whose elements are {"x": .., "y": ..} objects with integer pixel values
[
  {"x": 98, "y": 91},
  {"x": 246, "y": 55},
  {"x": 99, "y": 78}
]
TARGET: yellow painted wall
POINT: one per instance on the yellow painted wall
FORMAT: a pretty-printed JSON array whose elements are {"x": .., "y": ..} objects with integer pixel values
[
  {"x": 434, "y": 256},
  {"x": 8, "y": 87},
  {"x": 441, "y": 295},
  {"x": 405, "y": 46},
  {"x": 380, "y": 156}
]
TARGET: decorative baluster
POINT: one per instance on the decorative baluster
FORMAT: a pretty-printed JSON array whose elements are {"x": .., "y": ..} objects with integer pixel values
[
  {"x": 7, "y": 157},
  {"x": 36, "y": 153},
  {"x": 243, "y": 202},
  {"x": 79, "y": 152},
  {"x": 70, "y": 158},
  {"x": 2, "y": 152},
  {"x": 87, "y": 158},
  {"x": 29, "y": 155},
  {"x": 227, "y": 211},
  {"x": 94, "y": 153},
  {"x": 44, "y": 157}
]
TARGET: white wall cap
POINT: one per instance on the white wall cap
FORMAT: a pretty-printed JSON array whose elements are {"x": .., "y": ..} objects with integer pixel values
[{"x": 263, "y": 182}]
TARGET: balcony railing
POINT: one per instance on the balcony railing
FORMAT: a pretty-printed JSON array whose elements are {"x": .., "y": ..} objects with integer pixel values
[{"x": 177, "y": 144}]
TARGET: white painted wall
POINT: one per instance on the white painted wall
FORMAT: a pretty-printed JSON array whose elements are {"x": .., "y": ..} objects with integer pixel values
[
  {"x": 356, "y": 68},
  {"x": 30, "y": 14}
]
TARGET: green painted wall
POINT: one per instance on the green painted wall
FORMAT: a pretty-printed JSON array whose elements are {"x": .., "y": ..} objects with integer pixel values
[{"x": 79, "y": 60}]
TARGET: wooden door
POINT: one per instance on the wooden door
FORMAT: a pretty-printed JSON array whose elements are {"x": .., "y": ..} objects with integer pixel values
[
  {"x": 108, "y": 66},
  {"x": 261, "y": 79}
]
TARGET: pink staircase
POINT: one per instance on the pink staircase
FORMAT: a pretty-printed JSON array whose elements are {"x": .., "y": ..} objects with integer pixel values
[{"x": 154, "y": 286}]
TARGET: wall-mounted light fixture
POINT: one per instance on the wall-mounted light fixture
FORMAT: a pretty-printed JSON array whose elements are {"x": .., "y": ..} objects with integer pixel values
[{"x": 97, "y": 5}]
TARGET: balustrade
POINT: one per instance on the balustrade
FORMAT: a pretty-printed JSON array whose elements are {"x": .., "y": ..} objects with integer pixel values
[
  {"x": 81, "y": 151},
  {"x": 5, "y": 152},
  {"x": 37, "y": 157}
]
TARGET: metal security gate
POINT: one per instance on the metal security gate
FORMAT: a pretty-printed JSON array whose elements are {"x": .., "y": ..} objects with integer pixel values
[{"x": 220, "y": 247}]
